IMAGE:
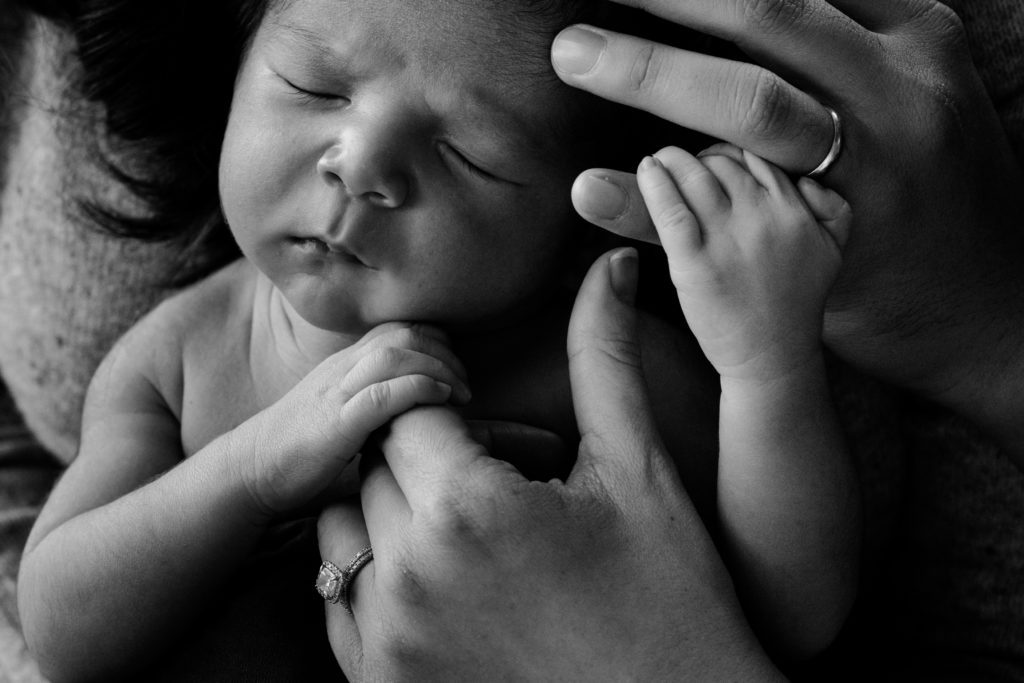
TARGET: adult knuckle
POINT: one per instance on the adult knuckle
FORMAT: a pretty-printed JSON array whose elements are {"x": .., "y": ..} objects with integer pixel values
[
  {"x": 643, "y": 74},
  {"x": 941, "y": 20},
  {"x": 766, "y": 107},
  {"x": 444, "y": 512},
  {"x": 407, "y": 583},
  {"x": 454, "y": 523},
  {"x": 400, "y": 645},
  {"x": 941, "y": 109},
  {"x": 619, "y": 351},
  {"x": 774, "y": 16}
]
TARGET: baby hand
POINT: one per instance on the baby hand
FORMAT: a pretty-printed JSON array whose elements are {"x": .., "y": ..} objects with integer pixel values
[
  {"x": 301, "y": 445},
  {"x": 751, "y": 255}
]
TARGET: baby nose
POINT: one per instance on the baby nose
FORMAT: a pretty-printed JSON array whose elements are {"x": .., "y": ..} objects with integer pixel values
[{"x": 365, "y": 170}]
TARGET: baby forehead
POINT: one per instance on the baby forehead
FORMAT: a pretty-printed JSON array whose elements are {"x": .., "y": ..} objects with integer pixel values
[
  {"x": 502, "y": 38},
  {"x": 492, "y": 52}
]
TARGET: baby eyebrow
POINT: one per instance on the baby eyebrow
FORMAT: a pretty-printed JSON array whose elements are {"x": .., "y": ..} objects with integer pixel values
[
  {"x": 306, "y": 38},
  {"x": 327, "y": 56}
]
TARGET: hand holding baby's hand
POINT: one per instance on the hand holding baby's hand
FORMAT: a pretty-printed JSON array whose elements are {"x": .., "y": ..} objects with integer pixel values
[
  {"x": 301, "y": 445},
  {"x": 752, "y": 257}
]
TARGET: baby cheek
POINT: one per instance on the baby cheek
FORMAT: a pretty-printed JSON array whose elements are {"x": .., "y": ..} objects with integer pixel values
[{"x": 253, "y": 183}]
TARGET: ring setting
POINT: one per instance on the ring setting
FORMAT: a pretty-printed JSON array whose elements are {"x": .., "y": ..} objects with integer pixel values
[
  {"x": 335, "y": 585},
  {"x": 835, "y": 150}
]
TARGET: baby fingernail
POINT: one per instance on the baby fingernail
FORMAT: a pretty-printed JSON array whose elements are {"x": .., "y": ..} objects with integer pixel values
[
  {"x": 625, "y": 271},
  {"x": 598, "y": 197},
  {"x": 576, "y": 50},
  {"x": 649, "y": 163}
]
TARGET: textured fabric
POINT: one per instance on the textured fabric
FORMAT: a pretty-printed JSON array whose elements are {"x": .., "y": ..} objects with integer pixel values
[
  {"x": 995, "y": 30},
  {"x": 66, "y": 291}
]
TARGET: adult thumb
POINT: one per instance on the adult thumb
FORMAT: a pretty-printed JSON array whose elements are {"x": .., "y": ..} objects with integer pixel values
[{"x": 618, "y": 434}]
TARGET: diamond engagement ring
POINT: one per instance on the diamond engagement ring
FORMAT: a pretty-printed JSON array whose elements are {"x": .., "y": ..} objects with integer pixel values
[
  {"x": 833, "y": 152},
  {"x": 334, "y": 585}
]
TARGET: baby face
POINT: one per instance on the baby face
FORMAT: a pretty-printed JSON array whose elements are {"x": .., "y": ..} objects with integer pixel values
[{"x": 399, "y": 160}]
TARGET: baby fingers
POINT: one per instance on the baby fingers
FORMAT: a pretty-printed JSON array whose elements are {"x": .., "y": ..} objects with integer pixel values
[
  {"x": 378, "y": 403},
  {"x": 422, "y": 338},
  {"x": 387, "y": 363},
  {"x": 830, "y": 210},
  {"x": 678, "y": 228}
]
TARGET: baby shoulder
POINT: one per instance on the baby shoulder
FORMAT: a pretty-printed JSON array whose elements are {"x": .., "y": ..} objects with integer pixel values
[{"x": 149, "y": 358}]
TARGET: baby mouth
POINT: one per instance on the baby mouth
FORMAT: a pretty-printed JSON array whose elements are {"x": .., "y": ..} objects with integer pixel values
[{"x": 320, "y": 247}]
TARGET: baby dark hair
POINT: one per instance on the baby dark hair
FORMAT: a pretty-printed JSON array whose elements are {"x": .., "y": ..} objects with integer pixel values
[{"x": 164, "y": 73}]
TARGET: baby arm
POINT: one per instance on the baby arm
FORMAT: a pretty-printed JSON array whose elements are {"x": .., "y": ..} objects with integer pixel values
[
  {"x": 133, "y": 537},
  {"x": 752, "y": 258}
]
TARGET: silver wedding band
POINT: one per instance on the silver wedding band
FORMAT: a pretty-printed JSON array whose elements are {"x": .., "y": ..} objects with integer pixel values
[
  {"x": 837, "y": 147},
  {"x": 335, "y": 585}
]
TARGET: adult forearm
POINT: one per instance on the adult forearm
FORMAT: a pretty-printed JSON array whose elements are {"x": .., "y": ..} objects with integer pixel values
[{"x": 103, "y": 591}]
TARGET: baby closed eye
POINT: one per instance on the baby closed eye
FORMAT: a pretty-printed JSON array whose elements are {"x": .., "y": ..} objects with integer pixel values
[
  {"x": 463, "y": 162},
  {"x": 313, "y": 93}
]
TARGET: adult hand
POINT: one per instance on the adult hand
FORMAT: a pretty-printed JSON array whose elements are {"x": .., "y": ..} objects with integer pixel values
[
  {"x": 931, "y": 289},
  {"x": 480, "y": 573}
]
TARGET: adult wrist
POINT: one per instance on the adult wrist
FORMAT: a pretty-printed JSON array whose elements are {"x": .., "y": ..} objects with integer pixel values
[{"x": 967, "y": 357}]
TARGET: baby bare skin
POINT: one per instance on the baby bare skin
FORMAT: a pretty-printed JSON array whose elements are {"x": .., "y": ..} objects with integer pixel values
[{"x": 381, "y": 163}]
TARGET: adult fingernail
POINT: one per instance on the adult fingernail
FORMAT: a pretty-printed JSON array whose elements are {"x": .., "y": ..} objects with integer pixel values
[
  {"x": 600, "y": 198},
  {"x": 625, "y": 271},
  {"x": 444, "y": 389},
  {"x": 576, "y": 50}
]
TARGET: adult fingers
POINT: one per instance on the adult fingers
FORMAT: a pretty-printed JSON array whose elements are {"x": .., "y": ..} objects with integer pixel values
[
  {"x": 618, "y": 435},
  {"x": 742, "y": 103},
  {"x": 613, "y": 201},
  {"x": 808, "y": 38},
  {"x": 431, "y": 453},
  {"x": 539, "y": 455},
  {"x": 341, "y": 534},
  {"x": 884, "y": 17}
]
